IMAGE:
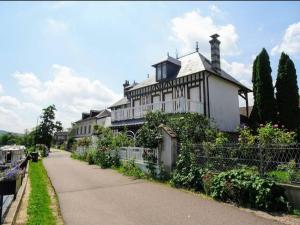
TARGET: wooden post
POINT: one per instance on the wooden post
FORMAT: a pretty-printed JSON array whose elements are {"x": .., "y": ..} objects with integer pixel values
[{"x": 247, "y": 105}]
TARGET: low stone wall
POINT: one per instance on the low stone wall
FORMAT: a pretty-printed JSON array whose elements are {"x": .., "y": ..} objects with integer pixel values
[{"x": 293, "y": 194}]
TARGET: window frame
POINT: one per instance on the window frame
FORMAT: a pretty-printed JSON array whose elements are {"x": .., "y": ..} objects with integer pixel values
[
  {"x": 159, "y": 72},
  {"x": 164, "y": 70}
]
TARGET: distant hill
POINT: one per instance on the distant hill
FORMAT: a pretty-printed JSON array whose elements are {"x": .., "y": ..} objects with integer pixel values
[{"x": 5, "y": 132}]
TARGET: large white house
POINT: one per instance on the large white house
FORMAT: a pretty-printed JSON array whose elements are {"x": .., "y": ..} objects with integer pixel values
[{"x": 190, "y": 83}]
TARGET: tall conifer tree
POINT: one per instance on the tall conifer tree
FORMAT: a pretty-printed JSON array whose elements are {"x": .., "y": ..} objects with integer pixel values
[
  {"x": 264, "y": 102},
  {"x": 287, "y": 96}
]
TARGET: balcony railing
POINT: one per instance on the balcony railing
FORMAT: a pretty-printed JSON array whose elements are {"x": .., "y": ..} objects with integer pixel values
[{"x": 180, "y": 105}]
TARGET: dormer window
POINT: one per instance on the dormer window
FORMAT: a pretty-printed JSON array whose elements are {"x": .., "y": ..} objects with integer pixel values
[
  {"x": 158, "y": 72},
  {"x": 167, "y": 69},
  {"x": 164, "y": 70}
]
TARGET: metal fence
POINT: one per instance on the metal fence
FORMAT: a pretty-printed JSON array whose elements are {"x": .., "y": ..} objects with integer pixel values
[
  {"x": 138, "y": 154},
  {"x": 266, "y": 159}
]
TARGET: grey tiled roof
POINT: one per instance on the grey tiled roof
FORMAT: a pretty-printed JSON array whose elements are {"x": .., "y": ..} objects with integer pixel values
[
  {"x": 170, "y": 59},
  {"x": 192, "y": 63},
  {"x": 100, "y": 114},
  {"x": 122, "y": 101}
]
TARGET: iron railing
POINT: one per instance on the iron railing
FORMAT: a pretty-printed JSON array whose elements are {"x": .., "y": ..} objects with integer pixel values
[{"x": 179, "y": 105}]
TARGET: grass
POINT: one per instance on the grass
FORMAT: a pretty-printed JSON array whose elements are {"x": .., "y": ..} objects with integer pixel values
[
  {"x": 280, "y": 176},
  {"x": 130, "y": 169},
  {"x": 296, "y": 212},
  {"x": 39, "y": 211}
]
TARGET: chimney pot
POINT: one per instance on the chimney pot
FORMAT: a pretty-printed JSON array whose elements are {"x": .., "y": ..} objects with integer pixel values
[{"x": 215, "y": 53}]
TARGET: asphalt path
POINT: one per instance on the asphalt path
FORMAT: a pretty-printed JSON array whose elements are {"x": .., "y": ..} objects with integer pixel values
[{"x": 89, "y": 195}]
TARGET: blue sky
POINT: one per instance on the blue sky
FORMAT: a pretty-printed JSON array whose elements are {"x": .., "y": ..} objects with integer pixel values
[{"x": 78, "y": 54}]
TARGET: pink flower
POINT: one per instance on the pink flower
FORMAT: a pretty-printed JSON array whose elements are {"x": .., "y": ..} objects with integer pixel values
[
  {"x": 261, "y": 125},
  {"x": 275, "y": 126}
]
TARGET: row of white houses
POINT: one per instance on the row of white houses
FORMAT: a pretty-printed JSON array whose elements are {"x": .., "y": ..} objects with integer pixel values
[{"x": 190, "y": 83}]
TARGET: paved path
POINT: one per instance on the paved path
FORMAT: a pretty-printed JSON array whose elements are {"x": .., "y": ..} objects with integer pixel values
[{"x": 89, "y": 195}]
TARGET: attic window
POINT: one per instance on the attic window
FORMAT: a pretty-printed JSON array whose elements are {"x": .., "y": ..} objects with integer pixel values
[
  {"x": 164, "y": 70},
  {"x": 161, "y": 71},
  {"x": 158, "y": 72}
]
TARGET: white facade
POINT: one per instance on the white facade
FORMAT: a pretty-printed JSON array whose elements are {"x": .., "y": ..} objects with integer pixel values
[
  {"x": 224, "y": 103},
  {"x": 85, "y": 126}
]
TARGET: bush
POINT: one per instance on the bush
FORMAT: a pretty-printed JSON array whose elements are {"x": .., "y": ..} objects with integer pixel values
[
  {"x": 267, "y": 135},
  {"x": 105, "y": 158},
  {"x": 248, "y": 189},
  {"x": 84, "y": 142},
  {"x": 207, "y": 180},
  {"x": 90, "y": 156},
  {"x": 192, "y": 125},
  {"x": 130, "y": 169},
  {"x": 187, "y": 173},
  {"x": 42, "y": 149}
]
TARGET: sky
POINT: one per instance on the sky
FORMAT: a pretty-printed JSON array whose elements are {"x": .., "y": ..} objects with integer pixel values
[{"x": 77, "y": 55}]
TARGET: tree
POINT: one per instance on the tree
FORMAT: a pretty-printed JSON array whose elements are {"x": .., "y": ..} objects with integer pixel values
[
  {"x": 47, "y": 127},
  {"x": 287, "y": 96},
  {"x": 264, "y": 110}
]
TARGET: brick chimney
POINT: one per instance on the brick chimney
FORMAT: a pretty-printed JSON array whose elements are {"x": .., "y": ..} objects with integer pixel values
[
  {"x": 215, "y": 53},
  {"x": 126, "y": 85}
]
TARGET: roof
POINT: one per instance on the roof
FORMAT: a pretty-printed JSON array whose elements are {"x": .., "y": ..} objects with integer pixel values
[
  {"x": 169, "y": 59},
  {"x": 122, "y": 101},
  {"x": 103, "y": 113},
  {"x": 96, "y": 114},
  {"x": 190, "y": 64},
  {"x": 13, "y": 148}
]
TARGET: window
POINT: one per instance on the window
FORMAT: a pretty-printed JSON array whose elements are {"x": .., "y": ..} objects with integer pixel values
[
  {"x": 77, "y": 131},
  {"x": 89, "y": 129},
  {"x": 158, "y": 72},
  {"x": 84, "y": 129},
  {"x": 164, "y": 71},
  {"x": 80, "y": 130}
]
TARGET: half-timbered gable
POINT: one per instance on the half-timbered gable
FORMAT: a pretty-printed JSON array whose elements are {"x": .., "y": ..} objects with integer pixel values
[{"x": 190, "y": 83}]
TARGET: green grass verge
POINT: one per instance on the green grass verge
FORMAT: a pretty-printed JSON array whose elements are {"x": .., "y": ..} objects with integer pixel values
[
  {"x": 280, "y": 176},
  {"x": 39, "y": 211}
]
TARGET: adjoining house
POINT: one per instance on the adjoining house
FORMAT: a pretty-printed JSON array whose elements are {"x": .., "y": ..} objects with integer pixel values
[
  {"x": 190, "y": 83},
  {"x": 85, "y": 126},
  {"x": 60, "y": 137}
]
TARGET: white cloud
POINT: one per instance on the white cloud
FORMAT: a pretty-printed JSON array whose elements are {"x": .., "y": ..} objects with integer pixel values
[
  {"x": 56, "y": 27},
  {"x": 240, "y": 71},
  {"x": 214, "y": 10},
  {"x": 193, "y": 26},
  {"x": 1, "y": 89},
  {"x": 243, "y": 73},
  {"x": 10, "y": 121},
  {"x": 16, "y": 115},
  {"x": 27, "y": 80},
  {"x": 70, "y": 92},
  {"x": 290, "y": 42}
]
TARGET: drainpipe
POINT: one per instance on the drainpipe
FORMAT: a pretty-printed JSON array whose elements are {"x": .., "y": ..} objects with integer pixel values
[{"x": 208, "y": 106}]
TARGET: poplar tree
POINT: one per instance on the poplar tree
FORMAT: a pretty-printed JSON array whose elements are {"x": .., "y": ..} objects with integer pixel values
[
  {"x": 264, "y": 110},
  {"x": 287, "y": 96}
]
